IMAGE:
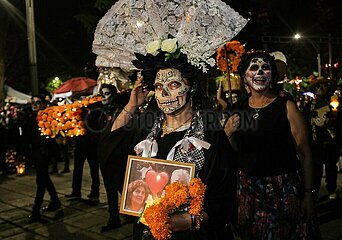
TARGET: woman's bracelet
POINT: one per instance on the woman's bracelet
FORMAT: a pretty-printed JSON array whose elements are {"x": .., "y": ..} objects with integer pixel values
[
  {"x": 199, "y": 220},
  {"x": 129, "y": 113}
]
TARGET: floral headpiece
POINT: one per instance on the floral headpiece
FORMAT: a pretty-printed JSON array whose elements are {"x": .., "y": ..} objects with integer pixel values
[{"x": 135, "y": 27}]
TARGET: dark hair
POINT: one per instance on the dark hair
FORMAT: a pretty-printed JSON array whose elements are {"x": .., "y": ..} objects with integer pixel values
[
  {"x": 111, "y": 87},
  {"x": 248, "y": 56},
  {"x": 40, "y": 96},
  {"x": 151, "y": 64}
]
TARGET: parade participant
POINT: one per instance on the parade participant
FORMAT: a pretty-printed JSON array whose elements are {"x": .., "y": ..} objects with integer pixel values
[
  {"x": 325, "y": 128},
  {"x": 41, "y": 154},
  {"x": 111, "y": 170},
  {"x": 275, "y": 189},
  {"x": 281, "y": 64},
  {"x": 86, "y": 148},
  {"x": 178, "y": 120},
  {"x": 172, "y": 44}
]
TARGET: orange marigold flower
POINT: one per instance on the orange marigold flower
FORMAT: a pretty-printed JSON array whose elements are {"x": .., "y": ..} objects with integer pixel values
[
  {"x": 232, "y": 47},
  {"x": 177, "y": 197}
]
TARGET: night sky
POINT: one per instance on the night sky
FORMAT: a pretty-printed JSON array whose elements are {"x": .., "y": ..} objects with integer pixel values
[{"x": 64, "y": 46}]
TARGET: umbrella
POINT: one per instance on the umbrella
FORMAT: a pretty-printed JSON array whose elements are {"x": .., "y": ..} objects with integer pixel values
[{"x": 76, "y": 84}]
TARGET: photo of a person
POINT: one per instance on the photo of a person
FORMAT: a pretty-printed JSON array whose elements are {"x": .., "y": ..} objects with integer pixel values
[
  {"x": 180, "y": 175},
  {"x": 137, "y": 193}
]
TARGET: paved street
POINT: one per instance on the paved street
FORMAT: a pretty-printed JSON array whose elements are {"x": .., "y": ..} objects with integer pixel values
[{"x": 83, "y": 221}]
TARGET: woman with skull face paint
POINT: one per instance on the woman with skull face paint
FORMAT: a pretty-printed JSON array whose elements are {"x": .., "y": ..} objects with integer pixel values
[
  {"x": 275, "y": 189},
  {"x": 171, "y": 131}
]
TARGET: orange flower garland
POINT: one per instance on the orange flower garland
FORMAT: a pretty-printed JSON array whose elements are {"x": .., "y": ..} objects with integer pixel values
[
  {"x": 177, "y": 197},
  {"x": 65, "y": 120},
  {"x": 232, "y": 46}
]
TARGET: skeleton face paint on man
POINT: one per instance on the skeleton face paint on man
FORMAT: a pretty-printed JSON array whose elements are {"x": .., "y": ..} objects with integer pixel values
[
  {"x": 36, "y": 104},
  {"x": 171, "y": 90},
  {"x": 107, "y": 96},
  {"x": 259, "y": 74}
]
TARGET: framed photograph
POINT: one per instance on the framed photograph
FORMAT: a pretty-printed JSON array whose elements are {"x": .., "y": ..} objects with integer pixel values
[{"x": 146, "y": 179}]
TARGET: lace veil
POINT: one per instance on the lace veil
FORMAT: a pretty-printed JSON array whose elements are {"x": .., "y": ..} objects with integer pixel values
[{"x": 200, "y": 27}]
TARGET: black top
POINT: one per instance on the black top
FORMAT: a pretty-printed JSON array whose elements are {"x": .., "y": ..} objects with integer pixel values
[
  {"x": 218, "y": 173},
  {"x": 265, "y": 144}
]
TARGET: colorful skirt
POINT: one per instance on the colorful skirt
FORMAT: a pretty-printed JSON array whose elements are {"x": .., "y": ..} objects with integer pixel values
[{"x": 269, "y": 208}]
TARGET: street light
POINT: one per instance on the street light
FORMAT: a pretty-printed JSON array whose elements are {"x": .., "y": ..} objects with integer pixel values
[
  {"x": 316, "y": 41},
  {"x": 317, "y": 48},
  {"x": 297, "y": 36}
]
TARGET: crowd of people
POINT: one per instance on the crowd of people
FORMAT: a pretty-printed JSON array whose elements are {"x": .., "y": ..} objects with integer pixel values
[{"x": 263, "y": 169}]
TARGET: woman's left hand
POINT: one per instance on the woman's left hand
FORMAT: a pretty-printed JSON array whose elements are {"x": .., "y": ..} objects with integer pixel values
[
  {"x": 180, "y": 222},
  {"x": 232, "y": 125},
  {"x": 308, "y": 206}
]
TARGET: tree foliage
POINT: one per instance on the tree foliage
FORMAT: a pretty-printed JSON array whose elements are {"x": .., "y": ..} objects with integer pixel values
[{"x": 91, "y": 14}]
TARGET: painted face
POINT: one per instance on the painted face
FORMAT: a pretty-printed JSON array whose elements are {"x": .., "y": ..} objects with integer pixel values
[
  {"x": 234, "y": 97},
  {"x": 107, "y": 96},
  {"x": 36, "y": 104},
  {"x": 170, "y": 90},
  {"x": 138, "y": 196},
  {"x": 258, "y": 74}
]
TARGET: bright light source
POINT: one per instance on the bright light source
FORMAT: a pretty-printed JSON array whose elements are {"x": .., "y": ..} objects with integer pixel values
[
  {"x": 297, "y": 36},
  {"x": 140, "y": 24}
]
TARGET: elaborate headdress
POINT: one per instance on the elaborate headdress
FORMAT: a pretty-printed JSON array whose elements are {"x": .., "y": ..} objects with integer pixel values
[{"x": 195, "y": 28}]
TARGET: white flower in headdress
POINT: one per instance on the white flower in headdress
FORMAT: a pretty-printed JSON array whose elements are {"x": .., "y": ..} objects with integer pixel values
[
  {"x": 169, "y": 45},
  {"x": 153, "y": 47}
]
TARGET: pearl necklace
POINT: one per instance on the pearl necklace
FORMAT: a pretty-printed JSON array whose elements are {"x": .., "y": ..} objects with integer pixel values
[{"x": 256, "y": 110}]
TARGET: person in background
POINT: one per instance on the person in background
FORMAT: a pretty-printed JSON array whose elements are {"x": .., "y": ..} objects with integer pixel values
[
  {"x": 42, "y": 150},
  {"x": 86, "y": 148},
  {"x": 281, "y": 64},
  {"x": 275, "y": 189},
  {"x": 222, "y": 103},
  {"x": 112, "y": 170},
  {"x": 325, "y": 127}
]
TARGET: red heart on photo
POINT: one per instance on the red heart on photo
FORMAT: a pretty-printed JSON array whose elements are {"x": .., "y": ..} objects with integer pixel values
[{"x": 156, "y": 181}]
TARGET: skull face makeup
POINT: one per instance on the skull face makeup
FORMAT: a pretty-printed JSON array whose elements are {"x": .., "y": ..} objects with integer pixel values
[
  {"x": 36, "y": 104},
  {"x": 171, "y": 90},
  {"x": 107, "y": 96},
  {"x": 258, "y": 74}
]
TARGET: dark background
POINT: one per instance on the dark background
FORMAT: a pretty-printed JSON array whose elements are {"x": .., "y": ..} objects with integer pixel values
[{"x": 64, "y": 44}]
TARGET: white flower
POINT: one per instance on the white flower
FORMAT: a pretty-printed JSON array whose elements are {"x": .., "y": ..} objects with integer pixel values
[
  {"x": 153, "y": 47},
  {"x": 169, "y": 45}
]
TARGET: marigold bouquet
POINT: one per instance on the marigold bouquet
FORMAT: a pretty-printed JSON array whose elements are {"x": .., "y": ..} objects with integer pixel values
[
  {"x": 65, "y": 120},
  {"x": 178, "y": 198},
  {"x": 234, "y": 47}
]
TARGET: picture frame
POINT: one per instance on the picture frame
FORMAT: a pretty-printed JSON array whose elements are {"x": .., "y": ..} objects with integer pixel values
[{"x": 146, "y": 179}]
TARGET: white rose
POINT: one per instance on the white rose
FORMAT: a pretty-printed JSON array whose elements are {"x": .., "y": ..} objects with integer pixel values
[
  {"x": 153, "y": 47},
  {"x": 169, "y": 45}
]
